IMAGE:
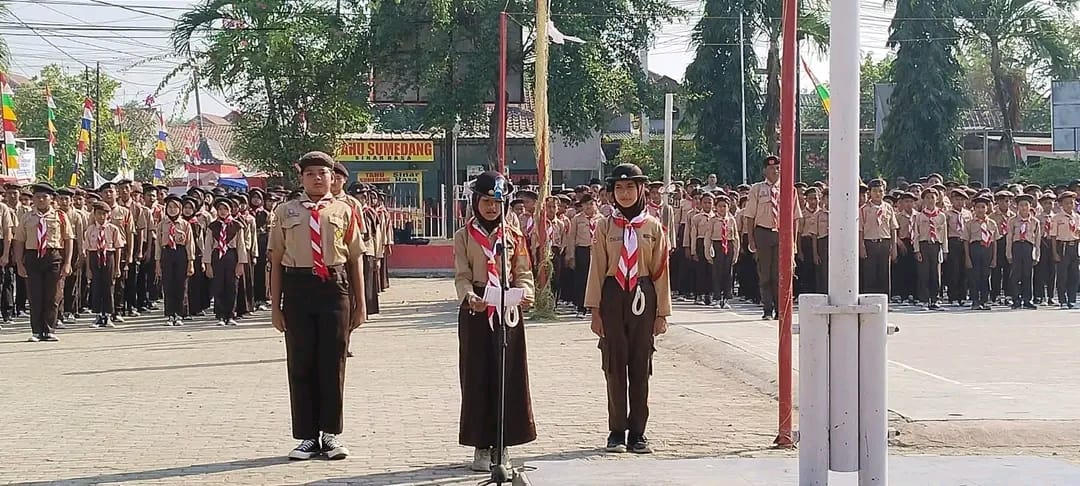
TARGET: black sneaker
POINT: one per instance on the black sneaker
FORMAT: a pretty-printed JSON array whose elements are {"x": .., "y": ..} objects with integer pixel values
[
  {"x": 333, "y": 448},
  {"x": 50, "y": 338},
  {"x": 34, "y": 338},
  {"x": 616, "y": 442},
  {"x": 640, "y": 445},
  {"x": 307, "y": 449},
  {"x": 1030, "y": 306}
]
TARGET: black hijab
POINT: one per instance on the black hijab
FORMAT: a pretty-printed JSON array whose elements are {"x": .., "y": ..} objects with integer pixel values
[{"x": 484, "y": 185}]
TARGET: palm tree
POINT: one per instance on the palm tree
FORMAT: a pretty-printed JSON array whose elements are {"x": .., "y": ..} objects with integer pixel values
[
  {"x": 813, "y": 26},
  {"x": 1021, "y": 36},
  {"x": 5, "y": 55}
]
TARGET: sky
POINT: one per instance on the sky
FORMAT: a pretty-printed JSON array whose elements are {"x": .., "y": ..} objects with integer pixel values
[{"x": 140, "y": 59}]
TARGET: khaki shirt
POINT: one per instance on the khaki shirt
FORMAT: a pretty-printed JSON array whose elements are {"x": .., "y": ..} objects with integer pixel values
[
  {"x": 121, "y": 217},
  {"x": 234, "y": 239},
  {"x": 581, "y": 230},
  {"x": 1045, "y": 218},
  {"x": 1032, "y": 233},
  {"x": 699, "y": 229},
  {"x": 291, "y": 237},
  {"x": 923, "y": 222},
  {"x": 367, "y": 247},
  {"x": 79, "y": 221},
  {"x": 822, "y": 223},
  {"x": 871, "y": 227},
  {"x": 1065, "y": 227},
  {"x": 808, "y": 223},
  {"x": 957, "y": 221},
  {"x": 683, "y": 212},
  {"x": 114, "y": 237},
  {"x": 58, "y": 230},
  {"x": 556, "y": 230},
  {"x": 1002, "y": 221},
  {"x": 471, "y": 262},
  {"x": 652, "y": 261},
  {"x": 905, "y": 225},
  {"x": 973, "y": 230},
  {"x": 688, "y": 224},
  {"x": 721, "y": 227},
  {"x": 759, "y": 205},
  {"x": 7, "y": 223},
  {"x": 182, "y": 236}
]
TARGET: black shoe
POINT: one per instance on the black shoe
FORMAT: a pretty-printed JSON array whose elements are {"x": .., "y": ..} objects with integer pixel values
[
  {"x": 640, "y": 445},
  {"x": 616, "y": 442},
  {"x": 333, "y": 448},
  {"x": 1016, "y": 305},
  {"x": 1030, "y": 306},
  {"x": 766, "y": 316},
  {"x": 306, "y": 450},
  {"x": 34, "y": 338},
  {"x": 1051, "y": 302},
  {"x": 50, "y": 338},
  {"x": 348, "y": 354}
]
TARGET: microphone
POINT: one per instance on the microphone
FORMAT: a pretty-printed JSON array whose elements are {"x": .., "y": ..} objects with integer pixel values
[{"x": 500, "y": 188}]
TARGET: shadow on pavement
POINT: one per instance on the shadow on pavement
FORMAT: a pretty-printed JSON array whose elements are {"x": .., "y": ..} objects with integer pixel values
[
  {"x": 174, "y": 367},
  {"x": 172, "y": 472}
]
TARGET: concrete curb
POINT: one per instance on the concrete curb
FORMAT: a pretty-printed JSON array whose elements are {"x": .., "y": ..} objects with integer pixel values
[{"x": 421, "y": 273}]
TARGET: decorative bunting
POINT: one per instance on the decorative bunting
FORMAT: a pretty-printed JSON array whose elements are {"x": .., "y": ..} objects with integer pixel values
[
  {"x": 125, "y": 170},
  {"x": 84, "y": 140},
  {"x": 160, "y": 149},
  {"x": 11, "y": 152},
  {"x": 52, "y": 133}
]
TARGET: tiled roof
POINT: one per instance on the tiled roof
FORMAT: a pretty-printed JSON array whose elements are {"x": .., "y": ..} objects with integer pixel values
[{"x": 222, "y": 134}]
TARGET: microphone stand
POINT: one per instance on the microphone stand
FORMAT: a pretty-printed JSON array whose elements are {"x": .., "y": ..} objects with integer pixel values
[{"x": 501, "y": 473}]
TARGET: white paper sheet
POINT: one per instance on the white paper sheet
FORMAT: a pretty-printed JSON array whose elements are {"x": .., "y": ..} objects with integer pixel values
[{"x": 493, "y": 296}]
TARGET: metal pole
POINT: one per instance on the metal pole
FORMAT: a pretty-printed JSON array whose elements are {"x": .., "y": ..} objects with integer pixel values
[
  {"x": 813, "y": 391},
  {"x": 646, "y": 125},
  {"x": 873, "y": 383},
  {"x": 198, "y": 101},
  {"x": 500, "y": 147},
  {"x": 787, "y": 217},
  {"x": 843, "y": 235},
  {"x": 986, "y": 158},
  {"x": 742, "y": 96},
  {"x": 669, "y": 135},
  {"x": 95, "y": 161},
  {"x": 453, "y": 166},
  {"x": 442, "y": 205}
]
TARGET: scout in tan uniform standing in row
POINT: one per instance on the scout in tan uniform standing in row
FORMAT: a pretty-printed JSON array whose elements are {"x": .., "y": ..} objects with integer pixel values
[
  {"x": 43, "y": 254},
  {"x": 722, "y": 252},
  {"x": 762, "y": 217},
  {"x": 1025, "y": 237},
  {"x": 224, "y": 257},
  {"x": 579, "y": 242},
  {"x": 931, "y": 231},
  {"x": 71, "y": 296},
  {"x": 315, "y": 275},
  {"x": 877, "y": 234},
  {"x": 980, "y": 252},
  {"x": 629, "y": 293},
  {"x": 699, "y": 242},
  {"x": 1065, "y": 231},
  {"x": 104, "y": 242},
  {"x": 821, "y": 244},
  {"x": 175, "y": 259}
]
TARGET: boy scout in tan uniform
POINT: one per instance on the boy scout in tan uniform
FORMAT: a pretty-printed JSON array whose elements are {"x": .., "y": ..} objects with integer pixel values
[
  {"x": 314, "y": 250},
  {"x": 877, "y": 234},
  {"x": 980, "y": 252},
  {"x": 121, "y": 217},
  {"x": 904, "y": 270},
  {"x": 579, "y": 248},
  {"x": 763, "y": 218},
  {"x": 43, "y": 254},
  {"x": 1046, "y": 269},
  {"x": 953, "y": 271},
  {"x": 1024, "y": 241},
  {"x": 1001, "y": 286},
  {"x": 821, "y": 244},
  {"x": 71, "y": 296},
  {"x": 722, "y": 252},
  {"x": 630, "y": 304},
  {"x": 699, "y": 241},
  {"x": 1065, "y": 231},
  {"x": 7, "y": 283},
  {"x": 104, "y": 241},
  {"x": 930, "y": 234}
]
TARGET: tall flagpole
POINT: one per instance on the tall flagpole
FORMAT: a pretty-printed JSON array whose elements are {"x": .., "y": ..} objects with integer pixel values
[
  {"x": 742, "y": 96},
  {"x": 784, "y": 437}
]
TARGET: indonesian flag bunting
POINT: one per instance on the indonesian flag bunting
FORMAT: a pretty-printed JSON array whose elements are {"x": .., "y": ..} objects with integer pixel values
[
  {"x": 11, "y": 152},
  {"x": 125, "y": 166},
  {"x": 52, "y": 132},
  {"x": 84, "y": 140},
  {"x": 160, "y": 149}
]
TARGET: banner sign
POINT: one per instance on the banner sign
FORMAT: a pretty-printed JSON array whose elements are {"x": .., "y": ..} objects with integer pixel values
[
  {"x": 391, "y": 177},
  {"x": 386, "y": 151}
]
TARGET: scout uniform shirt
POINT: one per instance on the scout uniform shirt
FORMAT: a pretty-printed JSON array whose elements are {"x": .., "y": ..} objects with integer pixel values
[
  {"x": 808, "y": 224},
  {"x": 983, "y": 231},
  {"x": 291, "y": 237},
  {"x": 761, "y": 201},
  {"x": 877, "y": 222},
  {"x": 369, "y": 231},
  {"x": 366, "y": 245},
  {"x": 103, "y": 237},
  {"x": 722, "y": 227},
  {"x": 234, "y": 238},
  {"x": 171, "y": 234},
  {"x": 699, "y": 228},
  {"x": 7, "y": 223},
  {"x": 79, "y": 221},
  {"x": 471, "y": 260},
  {"x": 1024, "y": 229},
  {"x": 651, "y": 261},
  {"x": 931, "y": 227},
  {"x": 1065, "y": 226},
  {"x": 1002, "y": 220},
  {"x": 121, "y": 217},
  {"x": 905, "y": 226},
  {"x": 688, "y": 224},
  {"x": 822, "y": 224},
  {"x": 555, "y": 230},
  {"x": 581, "y": 230},
  {"x": 58, "y": 231},
  {"x": 957, "y": 221}
]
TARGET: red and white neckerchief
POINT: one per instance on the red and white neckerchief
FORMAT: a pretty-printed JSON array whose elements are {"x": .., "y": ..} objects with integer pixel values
[
  {"x": 880, "y": 213},
  {"x": 157, "y": 214},
  {"x": 1023, "y": 229},
  {"x": 1072, "y": 223},
  {"x": 911, "y": 228},
  {"x": 318, "y": 263},
  {"x": 654, "y": 209},
  {"x": 101, "y": 245},
  {"x": 627, "y": 274},
  {"x": 724, "y": 235},
  {"x": 985, "y": 232},
  {"x": 1046, "y": 224},
  {"x": 592, "y": 228},
  {"x": 1003, "y": 227},
  {"x": 172, "y": 235},
  {"x": 487, "y": 244},
  {"x": 222, "y": 238},
  {"x": 959, "y": 221},
  {"x": 41, "y": 233},
  {"x": 529, "y": 223},
  {"x": 774, "y": 200},
  {"x": 932, "y": 215}
]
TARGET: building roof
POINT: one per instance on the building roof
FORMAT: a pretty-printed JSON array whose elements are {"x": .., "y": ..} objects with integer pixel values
[{"x": 223, "y": 137}]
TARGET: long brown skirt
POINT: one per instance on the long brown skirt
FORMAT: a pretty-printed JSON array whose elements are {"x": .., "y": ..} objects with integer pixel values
[{"x": 478, "y": 364}]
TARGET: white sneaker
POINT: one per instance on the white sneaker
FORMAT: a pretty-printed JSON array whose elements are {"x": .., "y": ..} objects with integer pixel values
[
  {"x": 221, "y": 322},
  {"x": 168, "y": 321},
  {"x": 231, "y": 322},
  {"x": 118, "y": 318},
  {"x": 481, "y": 460},
  {"x": 505, "y": 457}
]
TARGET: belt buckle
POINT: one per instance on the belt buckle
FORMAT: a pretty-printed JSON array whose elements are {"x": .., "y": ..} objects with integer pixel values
[{"x": 313, "y": 272}]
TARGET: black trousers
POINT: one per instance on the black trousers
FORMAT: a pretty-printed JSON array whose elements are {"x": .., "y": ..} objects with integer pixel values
[
  {"x": 929, "y": 271},
  {"x": 7, "y": 288},
  {"x": 582, "y": 257},
  {"x": 877, "y": 266},
  {"x": 72, "y": 297},
  {"x": 262, "y": 286},
  {"x": 1023, "y": 271},
  {"x": 979, "y": 273},
  {"x": 1000, "y": 283},
  {"x": 21, "y": 293},
  {"x": 223, "y": 286},
  {"x": 129, "y": 292},
  {"x": 144, "y": 284},
  {"x": 703, "y": 278},
  {"x": 102, "y": 282},
  {"x": 1045, "y": 272},
  {"x": 746, "y": 270},
  {"x": 954, "y": 270},
  {"x": 1068, "y": 272},
  {"x": 245, "y": 292},
  {"x": 768, "y": 266},
  {"x": 371, "y": 291},
  {"x": 821, "y": 275},
  {"x": 806, "y": 282},
  {"x": 626, "y": 350},
  {"x": 678, "y": 262},
  {"x": 316, "y": 337},
  {"x": 722, "y": 269},
  {"x": 174, "y": 265},
  {"x": 197, "y": 289},
  {"x": 904, "y": 273},
  {"x": 43, "y": 283}
]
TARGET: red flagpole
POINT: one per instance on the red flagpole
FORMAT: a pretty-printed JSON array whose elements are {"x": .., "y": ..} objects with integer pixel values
[
  {"x": 500, "y": 148},
  {"x": 788, "y": 71}
]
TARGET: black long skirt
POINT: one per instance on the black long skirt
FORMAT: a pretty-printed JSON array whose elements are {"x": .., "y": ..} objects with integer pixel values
[{"x": 478, "y": 361}]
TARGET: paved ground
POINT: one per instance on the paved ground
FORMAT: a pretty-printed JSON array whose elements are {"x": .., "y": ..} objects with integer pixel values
[
  {"x": 145, "y": 404},
  {"x": 961, "y": 380}
]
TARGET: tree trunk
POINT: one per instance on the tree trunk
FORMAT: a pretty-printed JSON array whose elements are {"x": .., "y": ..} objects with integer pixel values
[
  {"x": 772, "y": 94},
  {"x": 1001, "y": 98}
]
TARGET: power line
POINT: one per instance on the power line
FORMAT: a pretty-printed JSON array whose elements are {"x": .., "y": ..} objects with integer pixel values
[{"x": 47, "y": 41}]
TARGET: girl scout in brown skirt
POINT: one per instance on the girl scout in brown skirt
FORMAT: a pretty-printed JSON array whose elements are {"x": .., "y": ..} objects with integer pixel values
[
  {"x": 477, "y": 264},
  {"x": 629, "y": 292},
  {"x": 175, "y": 259}
]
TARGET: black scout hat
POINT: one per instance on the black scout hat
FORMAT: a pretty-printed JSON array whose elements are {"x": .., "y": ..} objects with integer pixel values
[
  {"x": 43, "y": 187},
  {"x": 484, "y": 184},
  {"x": 623, "y": 172},
  {"x": 1025, "y": 197},
  {"x": 771, "y": 160},
  {"x": 316, "y": 158}
]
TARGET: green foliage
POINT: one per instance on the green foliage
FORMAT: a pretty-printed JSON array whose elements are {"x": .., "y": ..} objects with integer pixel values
[
  {"x": 650, "y": 157},
  {"x": 1048, "y": 172},
  {"x": 920, "y": 134},
  {"x": 714, "y": 93},
  {"x": 1033, "y": 103},
  {"x": 283, "y": 63}
]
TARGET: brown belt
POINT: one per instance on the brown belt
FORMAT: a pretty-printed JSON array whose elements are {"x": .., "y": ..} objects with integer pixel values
[{"x": 311, "y": 270}]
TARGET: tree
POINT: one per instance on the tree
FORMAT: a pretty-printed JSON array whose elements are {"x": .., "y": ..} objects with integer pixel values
[
  {"x": 1021, "y": 36},
  {"x": 296, "y": 69},
  {"x": 450, "y": 48},
  {"x": 714, "y": 92},
  {"x": 920, "y": 134},
  {"x": 5, "y": 54},
  {"x": 1048, "y": 172},
  {"x": 1032, "y": 105},
  {"x": 650, "y": 157}
]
